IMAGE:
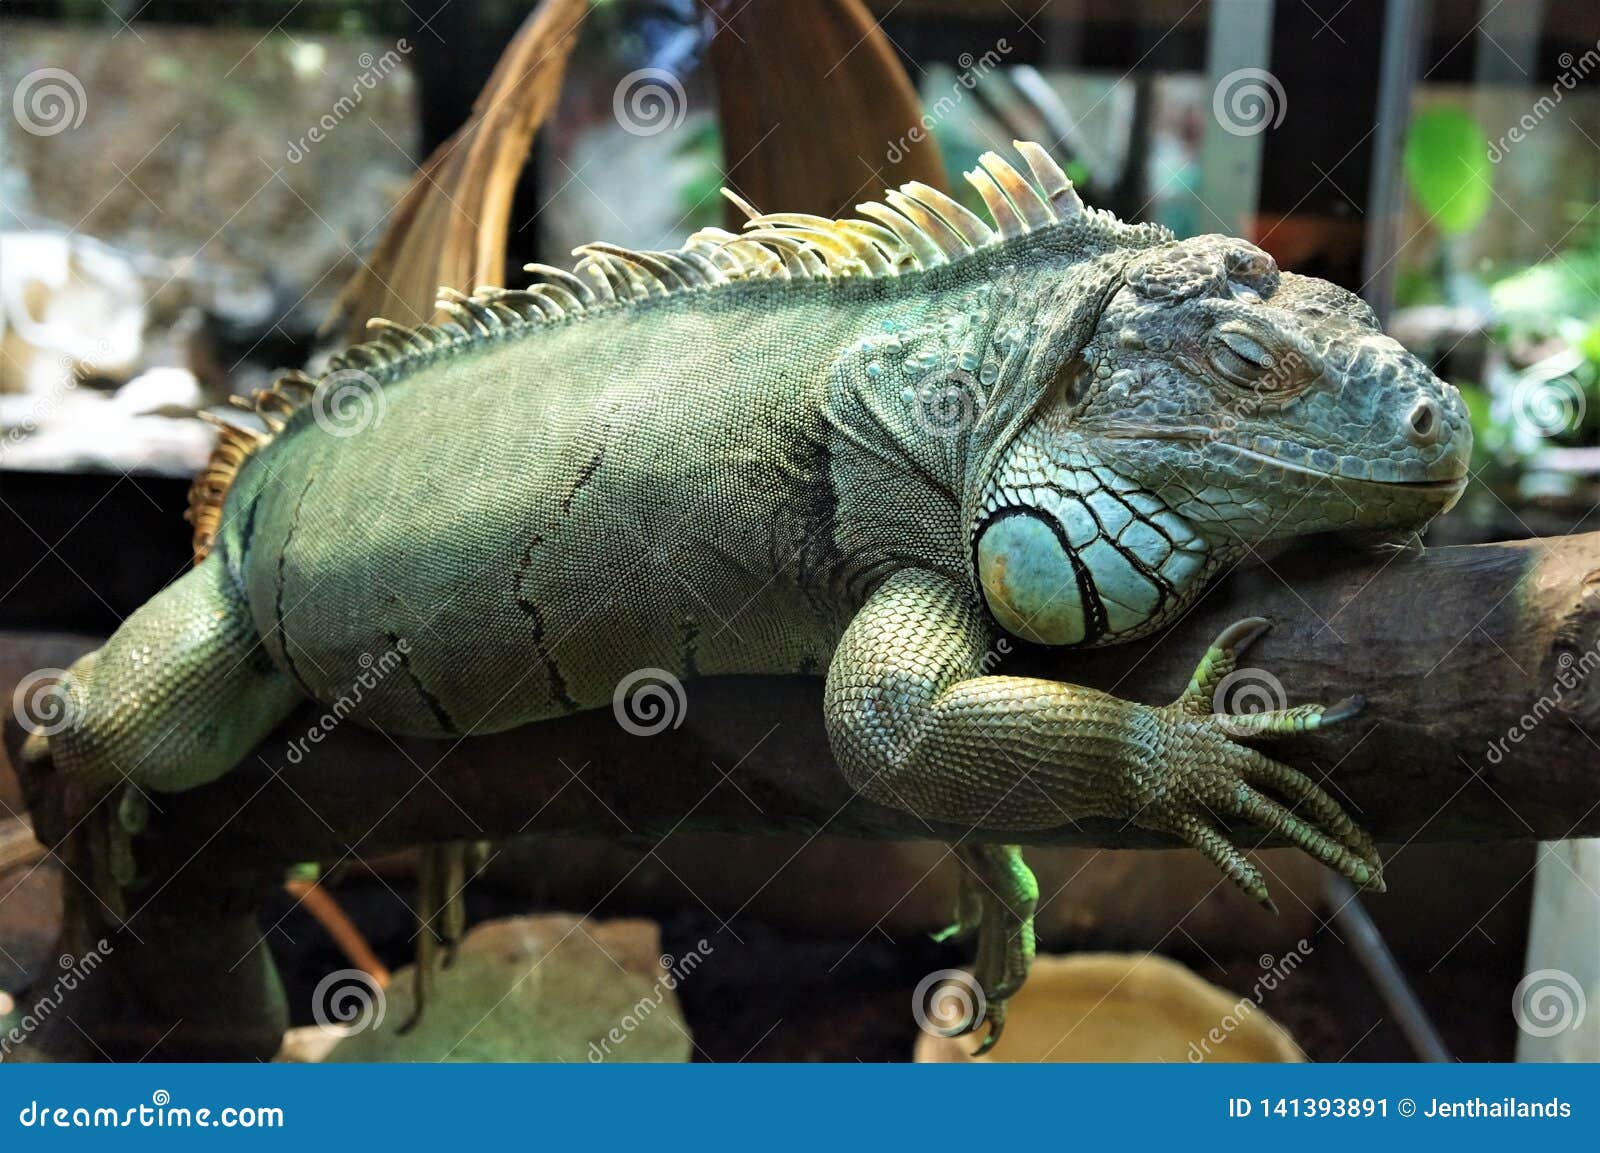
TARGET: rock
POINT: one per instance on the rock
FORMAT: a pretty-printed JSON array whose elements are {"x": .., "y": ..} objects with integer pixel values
[
  {"x": 160, "y": 391},
  {"x": 149, "y": 424},
  {"x": 1114, "y": 1007},
  {"x": 308, "y": 1045},
  {"x": 547, "y": 988},
  {"x": 69, "y": 307}
]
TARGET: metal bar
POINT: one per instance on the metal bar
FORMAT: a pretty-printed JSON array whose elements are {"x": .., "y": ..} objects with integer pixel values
[
  {"x": 1403, "y": 25},
  {"x": 1373, "y": 953},
  {"x": 1238, "y": 50},
  {"x": 1507, "y": 48}
]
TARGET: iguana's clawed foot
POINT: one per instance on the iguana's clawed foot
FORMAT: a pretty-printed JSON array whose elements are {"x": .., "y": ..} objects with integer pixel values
[
  {"x": 1209, "y": 778},
  {"x": 998, "y": 897},
  {"x": 969, "y": 906},
  {"x": 108, "y": 832},
  {"x": 442, "y": 880}
]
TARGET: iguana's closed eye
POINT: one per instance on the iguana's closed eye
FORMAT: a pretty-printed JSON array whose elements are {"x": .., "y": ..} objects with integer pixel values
[{"x": 1254, "y": 359}]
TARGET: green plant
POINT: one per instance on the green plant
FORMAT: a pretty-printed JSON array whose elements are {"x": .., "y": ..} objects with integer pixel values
[{"x": 1448, "y": 167}]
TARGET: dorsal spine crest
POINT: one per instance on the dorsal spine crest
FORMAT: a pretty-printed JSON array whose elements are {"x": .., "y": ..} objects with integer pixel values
[{"x": 914, "y": 229}]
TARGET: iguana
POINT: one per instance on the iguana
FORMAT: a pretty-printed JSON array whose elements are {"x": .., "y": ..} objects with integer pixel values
[{"x": 866, "y": 449}]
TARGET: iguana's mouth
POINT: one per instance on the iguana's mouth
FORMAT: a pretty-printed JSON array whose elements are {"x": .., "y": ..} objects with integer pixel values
[
  {"x": 1151, "y": 432},
  {"x": 1446, "y": 485},
  {"x": 1427, "y": 485},
  {"x": 1192, "y": 434}
]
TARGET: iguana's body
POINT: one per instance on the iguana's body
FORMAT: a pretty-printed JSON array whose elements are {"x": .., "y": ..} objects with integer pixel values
[
  {"x": 1064, "y": 433},
  {"x": 638, "y": 496}
]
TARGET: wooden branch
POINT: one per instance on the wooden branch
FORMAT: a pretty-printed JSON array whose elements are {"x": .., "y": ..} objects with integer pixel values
[
  {"x": 336, "y": 923},
  {"x": 772, "y": 97},
  {"x": 1481, "y": 666},
  {"x": 450, "y": 225},
  {"x": 1481, "y": 723}
]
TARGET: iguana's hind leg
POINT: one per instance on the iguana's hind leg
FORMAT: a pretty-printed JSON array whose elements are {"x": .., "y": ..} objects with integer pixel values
[{"x": 174, "y": 699}]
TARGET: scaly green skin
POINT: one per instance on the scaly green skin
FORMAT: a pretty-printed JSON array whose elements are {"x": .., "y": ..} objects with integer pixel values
[{"x": 1063, "y": 435}]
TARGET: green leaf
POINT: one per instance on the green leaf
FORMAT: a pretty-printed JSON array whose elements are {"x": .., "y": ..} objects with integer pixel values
[
  {"x": 1589, "y": 344},
  {"x": 1447, "y": 163}
]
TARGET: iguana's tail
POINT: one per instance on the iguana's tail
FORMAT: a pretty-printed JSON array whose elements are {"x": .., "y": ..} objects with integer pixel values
[{"x": 177, "y": 696}]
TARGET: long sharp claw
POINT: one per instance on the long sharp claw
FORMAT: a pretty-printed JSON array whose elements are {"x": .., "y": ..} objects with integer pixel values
[
  {"x": 1303, "y": 793},
  {"x": 1305, "y": 815},
  {"x": 1268, "y": 813},
  {"x": 1004, "y": 896},
  {"x": 1227, "y": 858},
  {"x": 1241, "y": 634},
  {"x": 997, "y": 1025},
  {"x": 1342, "y": 711}
]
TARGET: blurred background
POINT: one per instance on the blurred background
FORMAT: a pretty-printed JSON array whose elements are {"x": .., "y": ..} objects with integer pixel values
[{"x": 186, "y": 187}]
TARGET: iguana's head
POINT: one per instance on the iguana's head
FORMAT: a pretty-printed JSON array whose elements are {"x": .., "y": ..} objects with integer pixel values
[{"x": 1218, "y": 407}]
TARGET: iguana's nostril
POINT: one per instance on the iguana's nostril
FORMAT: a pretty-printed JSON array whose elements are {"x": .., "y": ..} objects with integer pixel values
[{"x": 1425, "y": 423}]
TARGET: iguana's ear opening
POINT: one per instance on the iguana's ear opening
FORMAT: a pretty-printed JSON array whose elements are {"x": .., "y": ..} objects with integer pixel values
[{"x": 1205, "y": 266}]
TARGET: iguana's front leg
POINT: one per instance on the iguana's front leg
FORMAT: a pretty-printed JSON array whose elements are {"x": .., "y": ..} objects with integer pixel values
[{"x": 916, "y": 724}]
